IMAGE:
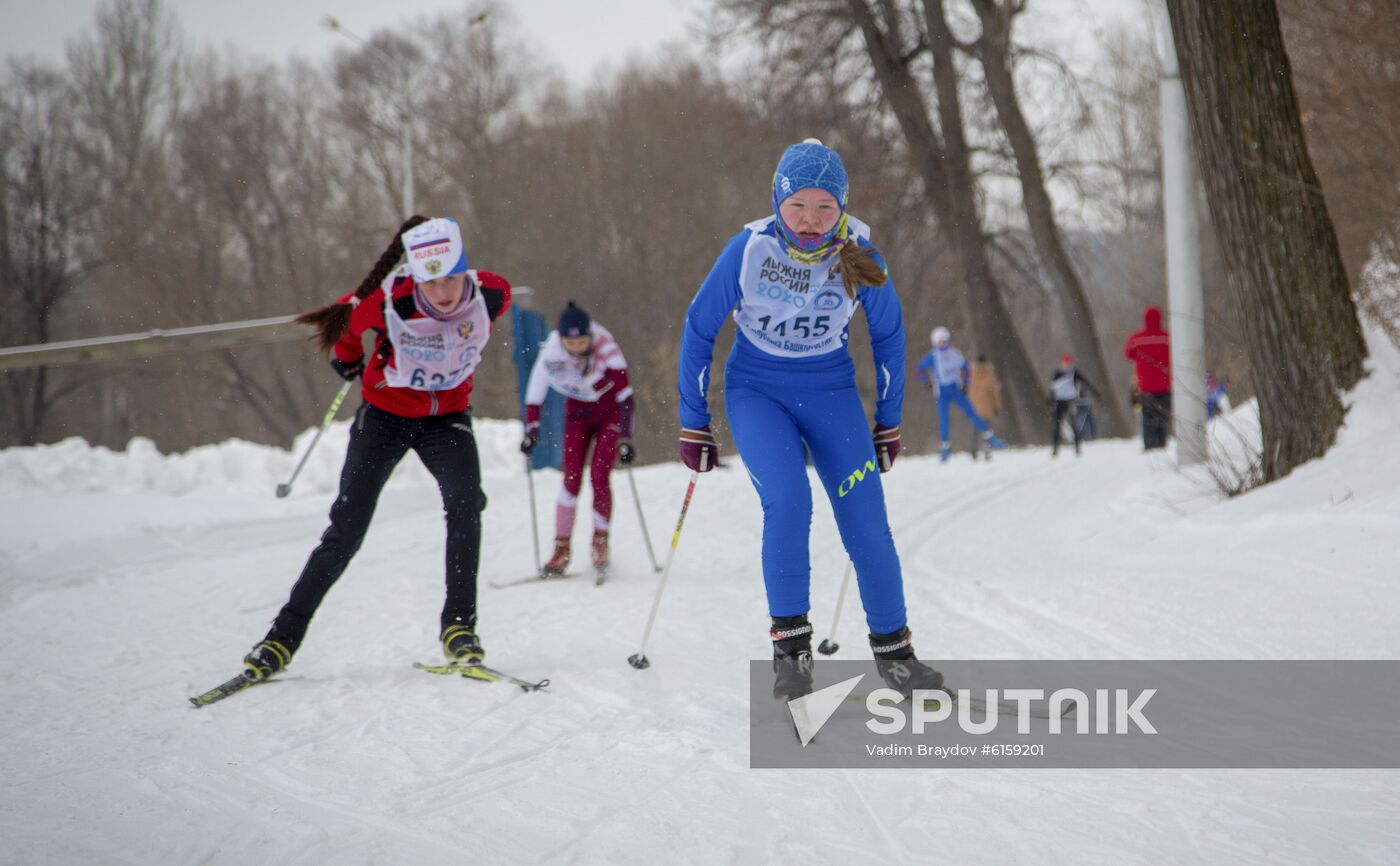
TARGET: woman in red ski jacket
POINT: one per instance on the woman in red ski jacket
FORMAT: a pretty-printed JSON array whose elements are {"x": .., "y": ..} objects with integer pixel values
[{"x": 431, "y": 320}]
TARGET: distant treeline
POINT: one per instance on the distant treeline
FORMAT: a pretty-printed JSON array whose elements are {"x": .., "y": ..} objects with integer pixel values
[{"x": 146, "y": 185}]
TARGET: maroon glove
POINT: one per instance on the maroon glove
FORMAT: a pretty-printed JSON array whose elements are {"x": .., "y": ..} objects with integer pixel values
[
  {"x": 886, "y": 445},
  {"x": 699, "y": 450},
  {"x": 532, "y": 437}
]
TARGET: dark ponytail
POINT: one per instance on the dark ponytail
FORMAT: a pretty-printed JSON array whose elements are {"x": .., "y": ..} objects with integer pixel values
[
  {"x": 859, "y": 268},
  {"x": 331, "y": 320}
]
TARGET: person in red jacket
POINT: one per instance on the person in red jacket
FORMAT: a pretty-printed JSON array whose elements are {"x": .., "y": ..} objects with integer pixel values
[
  {"x": 431, "y": 320},
  {"x": 1150, "y": 351},
  {"x": 582, "y": 361}
]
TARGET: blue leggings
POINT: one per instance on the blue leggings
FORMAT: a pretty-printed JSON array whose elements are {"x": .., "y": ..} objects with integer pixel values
[
  {"x": 953, "y": 395},
  {"x": 770, "y": 425}
]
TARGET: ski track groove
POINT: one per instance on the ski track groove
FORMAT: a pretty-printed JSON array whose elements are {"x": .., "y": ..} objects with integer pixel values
[
  {"x": 891, "y": 843},
  {"x": 962, "y": 508}
]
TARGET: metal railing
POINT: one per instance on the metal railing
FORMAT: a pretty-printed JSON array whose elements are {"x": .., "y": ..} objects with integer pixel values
[{"x": 147, "y": 344}]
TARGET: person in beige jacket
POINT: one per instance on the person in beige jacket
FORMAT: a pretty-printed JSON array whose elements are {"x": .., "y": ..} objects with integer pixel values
[{"x": 984, "y": 391}]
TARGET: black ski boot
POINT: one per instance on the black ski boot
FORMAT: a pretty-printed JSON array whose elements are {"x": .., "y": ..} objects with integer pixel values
[
  {"x": 901, "y": 671},
  {"x": 268, "y": 658},
  {"x": 792, "y": 656},
  {"x": 460, "y": 644}
]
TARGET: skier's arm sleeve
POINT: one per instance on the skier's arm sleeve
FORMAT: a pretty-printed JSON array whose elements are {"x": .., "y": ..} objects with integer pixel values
[
  {"x": 367, "y": 314},
  {"x": 1083, "y": 380},
  {"x": 538, "y": 388},
  {"x": 712, "y": 303},
  {"x": 609, "y": 355},
  {"x": 625, "y": 401},
  {"x": 495, "y": 290},
  {"x": 620, "y": 388},
  {"x": 885, "y": 319}
]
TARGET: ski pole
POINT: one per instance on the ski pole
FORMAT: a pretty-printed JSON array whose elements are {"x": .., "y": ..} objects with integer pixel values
[
  {"x": 284, "y": 489},
  {"x": 534, "y": 521},
  {"x": 639, "y": 660},
  {"x": 830, "y": 646},
  {"x": 641, "y": 518}
]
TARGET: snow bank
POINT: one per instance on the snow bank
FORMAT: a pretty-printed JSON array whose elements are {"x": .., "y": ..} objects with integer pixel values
[{"x": 74, "y": 466}]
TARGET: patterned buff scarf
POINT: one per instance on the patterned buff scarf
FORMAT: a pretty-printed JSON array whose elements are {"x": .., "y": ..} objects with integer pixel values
[{"x": 839, "y": 236}]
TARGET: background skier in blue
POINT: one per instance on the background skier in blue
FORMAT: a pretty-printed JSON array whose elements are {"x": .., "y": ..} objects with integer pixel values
[
  {"x": 796, "y": 278},
  {"x": 945, "y": 370}
]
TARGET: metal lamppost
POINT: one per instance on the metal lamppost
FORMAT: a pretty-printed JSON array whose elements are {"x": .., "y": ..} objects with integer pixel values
[
  {"x": 330, "y": 22},
  {"x": 1185, "y": 299},
  {"x": 405, "y": 130}
]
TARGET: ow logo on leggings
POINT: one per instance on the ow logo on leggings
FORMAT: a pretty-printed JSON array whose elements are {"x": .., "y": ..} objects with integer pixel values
[{"x": 855, "y": 478}]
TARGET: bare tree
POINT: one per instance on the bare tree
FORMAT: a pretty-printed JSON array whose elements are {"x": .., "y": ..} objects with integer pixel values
[
  {"x": 996, "y": 53},
  {"x": 254, "y": 171},
  {"x": 375, "y": 98},
  {"x": 1285, "y": 269},
  {"x": 43, "y": 202},
  {"x": 126, "y": 83}
]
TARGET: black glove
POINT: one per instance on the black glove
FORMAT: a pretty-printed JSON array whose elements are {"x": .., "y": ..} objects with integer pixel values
[
  {"x": 348, "y": 370},
  {"x": 532, "y": 438},
  {"x": 626, "y": 453}
]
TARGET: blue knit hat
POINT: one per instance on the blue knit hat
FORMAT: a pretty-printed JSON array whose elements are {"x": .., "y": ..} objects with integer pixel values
[
  {"x": 809, "y": 164},
  {"x": 574, "y": 321}
]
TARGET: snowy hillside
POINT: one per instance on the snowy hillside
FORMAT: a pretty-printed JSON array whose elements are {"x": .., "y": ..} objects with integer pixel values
[{"x": 130, "y": 581}]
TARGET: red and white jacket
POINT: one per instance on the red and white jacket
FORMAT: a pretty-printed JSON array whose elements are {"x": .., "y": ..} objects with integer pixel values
[
  {"x": 368, "y": 315},
  {"x": 599, "y": 377}
]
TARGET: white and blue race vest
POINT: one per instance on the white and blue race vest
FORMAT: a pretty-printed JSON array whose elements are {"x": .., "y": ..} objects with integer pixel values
[
  {"x": 948, "y": 365},
  {"x": 1063, "y": 385},
  {"x": 788, "y": 309}
]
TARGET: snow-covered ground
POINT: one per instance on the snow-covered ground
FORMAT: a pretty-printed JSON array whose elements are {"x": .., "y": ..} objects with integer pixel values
[{"x": 130, "y": 581}]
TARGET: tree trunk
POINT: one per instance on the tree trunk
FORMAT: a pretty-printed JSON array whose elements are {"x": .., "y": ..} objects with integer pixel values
[
  {"x": 948, "y": 182},
  {"x": 993, "y": 51},
  {"x": 1286, "y": 277}
]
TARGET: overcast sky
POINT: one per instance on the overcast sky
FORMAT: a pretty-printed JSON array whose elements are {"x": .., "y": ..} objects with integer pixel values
[
  {"x": 581, "y": 38},
  {"x": 574, "y": 35}
]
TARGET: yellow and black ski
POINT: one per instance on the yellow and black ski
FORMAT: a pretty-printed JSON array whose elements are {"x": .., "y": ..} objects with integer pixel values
[
  {"x": 481, "y": 672},
  {"x": 223, "y": 690}
]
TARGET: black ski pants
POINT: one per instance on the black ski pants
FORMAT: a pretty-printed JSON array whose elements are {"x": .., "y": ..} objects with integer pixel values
[
  {"x": 378, "y": 441},
  {"x": 1062, "y": 409},
  {"x": 1156, "y": 419}
]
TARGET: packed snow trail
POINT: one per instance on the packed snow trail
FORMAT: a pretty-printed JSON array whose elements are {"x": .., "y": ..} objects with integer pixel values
[{"x": 129, "y": 582}]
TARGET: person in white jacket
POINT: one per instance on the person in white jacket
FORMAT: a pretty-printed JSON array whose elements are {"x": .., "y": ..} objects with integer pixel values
[{"x": 582, "y": 361}]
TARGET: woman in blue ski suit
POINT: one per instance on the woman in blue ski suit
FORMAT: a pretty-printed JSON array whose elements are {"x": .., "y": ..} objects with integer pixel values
[{"x": 796, "y": 278}]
